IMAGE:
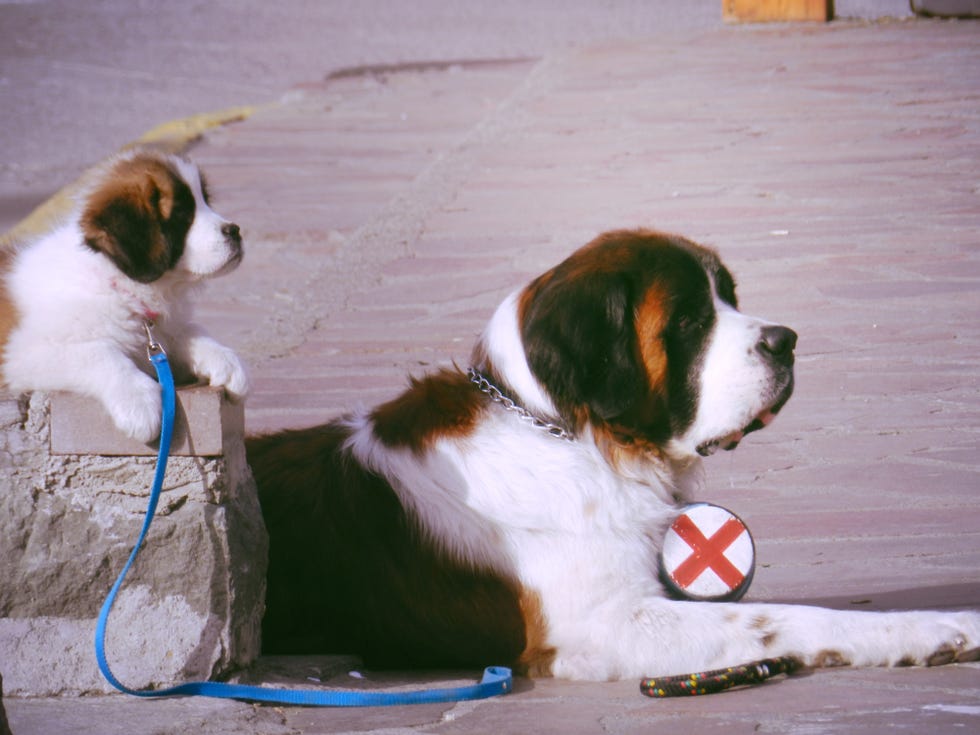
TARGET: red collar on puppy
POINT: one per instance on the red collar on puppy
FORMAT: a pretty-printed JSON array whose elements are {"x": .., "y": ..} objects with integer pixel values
[{"x": 142, "y": 309}]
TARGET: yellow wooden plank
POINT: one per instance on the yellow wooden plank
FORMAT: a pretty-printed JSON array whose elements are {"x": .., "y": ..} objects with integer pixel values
[{"x": 764, "y": 11}]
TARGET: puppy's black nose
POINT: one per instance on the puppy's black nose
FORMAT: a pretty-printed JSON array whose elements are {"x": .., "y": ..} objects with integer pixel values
[
  {"x": 777, "y": 342},
  {"x": 232, "y": 233}
]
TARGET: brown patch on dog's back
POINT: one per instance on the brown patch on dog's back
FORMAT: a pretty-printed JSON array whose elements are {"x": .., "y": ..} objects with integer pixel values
[
  {"x": 350, "y": 571},
  {"x": 445, "y": 403}
]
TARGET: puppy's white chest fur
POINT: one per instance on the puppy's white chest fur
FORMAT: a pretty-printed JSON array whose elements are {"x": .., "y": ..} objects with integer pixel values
[{"x": 141, "y": 240}]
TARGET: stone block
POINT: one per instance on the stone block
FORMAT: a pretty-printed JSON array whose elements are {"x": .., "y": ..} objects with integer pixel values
[
  {"x": 204, "y": 422},
  {"x": 71, "y": 505}
]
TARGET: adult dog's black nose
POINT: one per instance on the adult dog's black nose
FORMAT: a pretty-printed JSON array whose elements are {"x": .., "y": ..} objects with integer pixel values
[{"x": 777, "y": 342}]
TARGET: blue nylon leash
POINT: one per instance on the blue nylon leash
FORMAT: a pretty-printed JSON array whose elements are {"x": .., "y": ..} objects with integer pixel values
[{"x": 497, "y": 680}]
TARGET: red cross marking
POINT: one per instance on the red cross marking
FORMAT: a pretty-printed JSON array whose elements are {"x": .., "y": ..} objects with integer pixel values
[{"x": 708, "y": 552}]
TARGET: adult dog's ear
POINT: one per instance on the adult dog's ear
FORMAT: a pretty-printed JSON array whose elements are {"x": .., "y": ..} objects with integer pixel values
[
  {"x": 580, "y": 342},
  {"x": 128, "y": 218}
]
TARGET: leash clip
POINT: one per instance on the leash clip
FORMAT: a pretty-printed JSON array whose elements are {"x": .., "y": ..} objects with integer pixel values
[{"x": 153, "y": 347}]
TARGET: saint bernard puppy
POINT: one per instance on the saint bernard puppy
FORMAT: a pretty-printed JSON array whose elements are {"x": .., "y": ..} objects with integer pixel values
[
  {"x": 142, "y": 238},
  {"x": 512, "y": 513}
]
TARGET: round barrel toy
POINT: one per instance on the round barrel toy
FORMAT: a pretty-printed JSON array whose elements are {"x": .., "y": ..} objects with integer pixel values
[{"x": 708, "y": 554}]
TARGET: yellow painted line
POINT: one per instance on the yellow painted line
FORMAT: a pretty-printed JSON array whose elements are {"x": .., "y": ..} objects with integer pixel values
[{"x": 176, "y": 135}]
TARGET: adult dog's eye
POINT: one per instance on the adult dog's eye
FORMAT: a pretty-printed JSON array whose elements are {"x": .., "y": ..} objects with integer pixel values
[{"x": 693, "y": 324}]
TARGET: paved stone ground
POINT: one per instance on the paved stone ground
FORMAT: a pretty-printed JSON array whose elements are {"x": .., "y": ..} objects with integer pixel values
[{"x": 835, "y": 167}]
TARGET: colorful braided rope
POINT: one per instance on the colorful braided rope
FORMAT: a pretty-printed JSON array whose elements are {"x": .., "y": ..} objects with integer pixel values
[{"x": 718, "y": 680}]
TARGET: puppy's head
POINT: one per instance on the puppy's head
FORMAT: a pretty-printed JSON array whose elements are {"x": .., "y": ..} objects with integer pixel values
[
  {"x": 149, "y": 214},
  {"x": 639, "y": 336}
]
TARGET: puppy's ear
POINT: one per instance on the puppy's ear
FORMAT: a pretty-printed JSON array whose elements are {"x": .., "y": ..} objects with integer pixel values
[{"x": 125, "y": 219}]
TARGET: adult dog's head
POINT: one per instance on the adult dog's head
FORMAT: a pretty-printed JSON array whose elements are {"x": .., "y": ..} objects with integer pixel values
[
  {"x": 637, "y": 338},
  {"x": 149, "y": 213}
]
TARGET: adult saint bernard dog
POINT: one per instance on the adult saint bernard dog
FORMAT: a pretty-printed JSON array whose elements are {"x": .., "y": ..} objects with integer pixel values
[
  {"x": 141, "y": 240},
  {"x": 512, "y": 513}
]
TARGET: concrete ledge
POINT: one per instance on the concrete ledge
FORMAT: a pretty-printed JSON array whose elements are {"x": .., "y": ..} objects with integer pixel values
[
  {"x": 192, "y": 605},
  {"x": 205, "y": 423}
]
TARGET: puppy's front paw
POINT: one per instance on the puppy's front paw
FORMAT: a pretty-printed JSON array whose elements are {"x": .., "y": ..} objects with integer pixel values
[
  {"x": 222, "y": 369},
  {"x": 137, "y": 412}
]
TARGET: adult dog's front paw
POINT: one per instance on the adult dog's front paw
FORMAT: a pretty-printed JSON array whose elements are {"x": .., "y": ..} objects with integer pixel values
[
  {"x": 936, "y": 638},
  {"x": 959, "y": 639}
]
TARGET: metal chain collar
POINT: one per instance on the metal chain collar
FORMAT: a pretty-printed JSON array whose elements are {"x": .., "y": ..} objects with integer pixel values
[{"x": 498, "y": 396}]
